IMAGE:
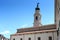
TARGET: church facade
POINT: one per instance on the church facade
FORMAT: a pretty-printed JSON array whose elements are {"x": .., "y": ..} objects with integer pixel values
[{"x": 39, "y": 31}]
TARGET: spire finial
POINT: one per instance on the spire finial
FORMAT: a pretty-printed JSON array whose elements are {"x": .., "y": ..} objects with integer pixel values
[
  {"x": 37, "y": 4},
  {"x": 37, "y": 7}
]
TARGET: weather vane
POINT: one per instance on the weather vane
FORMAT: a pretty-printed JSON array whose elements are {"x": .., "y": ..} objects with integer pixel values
[{"x": 37, "y": 3}]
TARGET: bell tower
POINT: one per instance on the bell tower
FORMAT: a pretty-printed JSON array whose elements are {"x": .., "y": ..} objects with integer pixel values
[
  {"x": 57, "y": 17},
  {"x": 37, "y": 16},
  {"x": 57, "y": 13}
]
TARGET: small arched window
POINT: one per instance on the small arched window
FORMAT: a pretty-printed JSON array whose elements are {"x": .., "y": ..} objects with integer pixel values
[
  {"x": 36, "y": 18},
  {"x": 29, "y": 39},
  {"x": 20, "y": 38},
  {"x": 14, "y": 39},
  {"x": 50, "y": 38},
  {"x": 39, "y": 38}
]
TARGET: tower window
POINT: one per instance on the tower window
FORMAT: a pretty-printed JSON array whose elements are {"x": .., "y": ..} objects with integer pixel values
[
  {"x": 29, "y": 39},
  {"x": 50, "y": 38},
  {"x": 39, "y": 38},
  {"x": 36, "y": 18}
]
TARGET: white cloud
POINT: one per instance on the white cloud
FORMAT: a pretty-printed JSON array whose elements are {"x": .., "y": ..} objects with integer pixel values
[
  {"x": 5, "y": 32},
  {"x": 24, "y": 25}
]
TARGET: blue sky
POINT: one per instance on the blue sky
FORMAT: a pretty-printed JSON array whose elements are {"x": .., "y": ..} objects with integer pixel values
[{"x": 16, "y": 14}]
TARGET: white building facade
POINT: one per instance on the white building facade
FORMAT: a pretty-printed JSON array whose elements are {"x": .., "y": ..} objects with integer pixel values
[
  {"x": 39, "y": 31},
  {"x": 37, "y": 36},
  {"x": 3, "y": 38}
]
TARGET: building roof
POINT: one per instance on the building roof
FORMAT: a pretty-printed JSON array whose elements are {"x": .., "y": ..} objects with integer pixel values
[
  {"x": 1, "y": 36},
  {"x": 45, "y": 27}
]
